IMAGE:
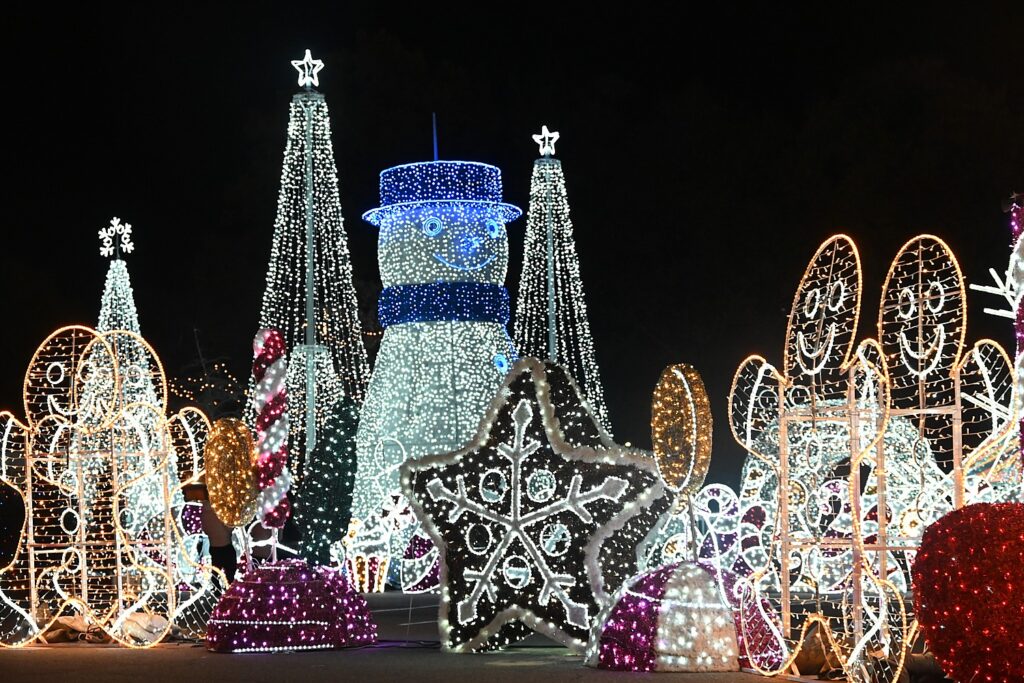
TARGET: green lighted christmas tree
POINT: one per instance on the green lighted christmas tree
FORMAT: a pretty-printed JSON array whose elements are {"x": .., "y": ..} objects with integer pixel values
[{"x": 324, "y": 503}]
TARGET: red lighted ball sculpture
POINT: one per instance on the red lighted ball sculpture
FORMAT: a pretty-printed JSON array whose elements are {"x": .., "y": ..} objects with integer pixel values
[{"x": 969, "y": 592}]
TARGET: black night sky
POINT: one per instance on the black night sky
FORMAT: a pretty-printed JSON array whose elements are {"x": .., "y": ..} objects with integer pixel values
[{"x": 707, "y": 154}]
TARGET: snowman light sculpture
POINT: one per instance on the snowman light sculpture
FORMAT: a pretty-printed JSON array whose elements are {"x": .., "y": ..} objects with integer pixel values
[{"x": 443, "y": 255}]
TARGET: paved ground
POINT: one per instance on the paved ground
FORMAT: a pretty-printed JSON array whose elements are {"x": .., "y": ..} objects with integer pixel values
[{"x": 408, "y": 652}]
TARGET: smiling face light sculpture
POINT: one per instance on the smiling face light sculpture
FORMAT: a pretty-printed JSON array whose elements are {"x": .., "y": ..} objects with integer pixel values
[
  {"x": 443, "y": 255},
  {"x": 823, "y": 319},
  {"x": 957, "y": 402},
  {"x": 807, "y": 430},
  {"x": 922, "y": 318}
]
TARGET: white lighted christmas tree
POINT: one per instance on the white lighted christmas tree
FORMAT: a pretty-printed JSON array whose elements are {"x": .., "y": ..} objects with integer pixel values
[
  {"x": 309, "y": 293},
  {"x": 139, "y": 443},
  {"x": 117, "y": 308},
  {"x": 551, "y": 313}
]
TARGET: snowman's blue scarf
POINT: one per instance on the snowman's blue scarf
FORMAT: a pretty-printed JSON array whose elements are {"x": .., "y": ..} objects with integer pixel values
[{"x": 443, "y": 301}]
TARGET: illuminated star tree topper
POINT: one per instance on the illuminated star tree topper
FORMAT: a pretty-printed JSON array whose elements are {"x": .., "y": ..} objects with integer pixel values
[
  {"x": 546, "y": 139},
  {"x": 551, "y": 318},
  {"x": 308, "y": 69}
]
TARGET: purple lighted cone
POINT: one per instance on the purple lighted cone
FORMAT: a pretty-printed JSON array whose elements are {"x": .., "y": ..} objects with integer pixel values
[{"x": 289, "y": 605}]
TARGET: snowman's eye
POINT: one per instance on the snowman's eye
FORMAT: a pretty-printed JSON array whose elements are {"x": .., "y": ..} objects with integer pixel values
[
  {"x": 493, "y": 228},
  {"x": 811, "y": 302},
  {"x": 836, "y": 295},
  {"x": 936, "y": 296},
  {"x": 906, "y": 305},
  {"x": 432, "y": 227}
]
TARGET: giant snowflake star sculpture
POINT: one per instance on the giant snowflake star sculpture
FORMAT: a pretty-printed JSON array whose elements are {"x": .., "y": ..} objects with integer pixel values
[{"x": 537, "y": 520}]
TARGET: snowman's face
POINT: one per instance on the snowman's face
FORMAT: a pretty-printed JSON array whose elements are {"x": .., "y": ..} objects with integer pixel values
[
  {"x": 443, "y": 242},
  {"x": 921, "y": 317},
  {"x": 823, "y": 319}
]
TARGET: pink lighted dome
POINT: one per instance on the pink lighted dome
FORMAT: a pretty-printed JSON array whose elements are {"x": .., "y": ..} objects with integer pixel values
[{"x": 290, "y": 605}]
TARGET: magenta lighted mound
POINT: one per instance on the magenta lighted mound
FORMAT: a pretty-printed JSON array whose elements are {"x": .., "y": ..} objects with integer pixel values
[{"x": 290, "y": 605}]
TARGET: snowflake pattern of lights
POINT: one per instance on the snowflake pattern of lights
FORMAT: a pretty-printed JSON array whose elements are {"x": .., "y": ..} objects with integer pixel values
[
  {"x": 116, "y": 238},
  {"x": 537, "y": 520}
]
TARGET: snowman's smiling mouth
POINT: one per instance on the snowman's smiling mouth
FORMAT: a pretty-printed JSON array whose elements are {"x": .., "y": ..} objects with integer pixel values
[
  {"x": 912, "y": 359},
  {"x": 477, "y": 266},
  {"x": 820, "y": 354}
]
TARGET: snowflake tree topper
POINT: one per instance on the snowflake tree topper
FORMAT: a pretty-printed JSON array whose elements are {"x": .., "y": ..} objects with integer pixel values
[
  {"x": 116, "y": 238},
  {"x": 546, "y": 139},
  {"x": 308, "y": 69},
  {"x": 537, "y": 520}
]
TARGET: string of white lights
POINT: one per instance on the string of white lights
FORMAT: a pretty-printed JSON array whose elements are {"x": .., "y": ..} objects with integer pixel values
[
  {"x": 550, "y": 283},
  {"x": 309, "y": 191}
]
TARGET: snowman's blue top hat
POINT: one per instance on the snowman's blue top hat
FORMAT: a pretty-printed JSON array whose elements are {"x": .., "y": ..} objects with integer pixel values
[{"x": 440, "y": 182}]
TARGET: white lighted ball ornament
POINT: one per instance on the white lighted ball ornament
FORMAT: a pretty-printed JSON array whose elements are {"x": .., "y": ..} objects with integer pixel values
[{"x": 668, "y": 619}]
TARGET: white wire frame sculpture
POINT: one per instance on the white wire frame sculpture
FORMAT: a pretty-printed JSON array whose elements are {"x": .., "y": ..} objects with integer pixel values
[
  {"x": 958, "y": 399},
  {"x": 74, "y": 463},
  {"x": 807, "y": 429},
  {"x": 853, "y": 453}
]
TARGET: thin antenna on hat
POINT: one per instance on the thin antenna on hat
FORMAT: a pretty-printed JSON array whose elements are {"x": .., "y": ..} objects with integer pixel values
[{"x": 433, "y": 116}]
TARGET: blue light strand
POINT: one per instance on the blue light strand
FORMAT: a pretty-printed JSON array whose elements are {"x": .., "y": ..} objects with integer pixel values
[{"x": 459, "y": 180}]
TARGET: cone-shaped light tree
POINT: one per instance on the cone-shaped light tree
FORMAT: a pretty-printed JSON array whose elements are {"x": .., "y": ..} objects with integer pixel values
[
  {"x": 551, "y": 313},
  {"x": 138, "y": 448},
  {"x": 309, "y": 295}
]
